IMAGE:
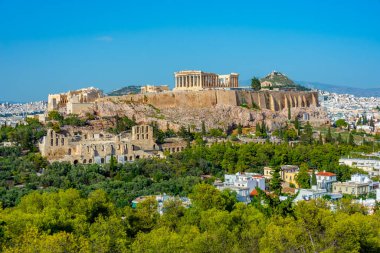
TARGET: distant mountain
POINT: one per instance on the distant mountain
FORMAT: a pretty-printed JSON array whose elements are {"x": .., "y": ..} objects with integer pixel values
[
  {"x": 133, "y": 89},
  {"x": 359, "y": 92}
]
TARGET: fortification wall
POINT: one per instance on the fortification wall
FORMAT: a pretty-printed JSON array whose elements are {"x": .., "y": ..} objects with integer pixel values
[{"x": 272, "y": 100}]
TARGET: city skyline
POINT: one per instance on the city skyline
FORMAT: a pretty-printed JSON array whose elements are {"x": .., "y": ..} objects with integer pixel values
[{"x": 57, "y": 46}]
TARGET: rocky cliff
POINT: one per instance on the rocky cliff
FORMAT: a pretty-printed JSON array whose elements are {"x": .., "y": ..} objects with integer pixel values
[
  {"x": 217, "y": 108},
  {"x": 272, "y": 100}
]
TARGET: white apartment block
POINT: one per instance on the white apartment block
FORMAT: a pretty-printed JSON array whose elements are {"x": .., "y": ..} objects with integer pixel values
[
  {"x": 243, "y": 184},
  {"x": 371, "y": 166},
  {"x": 325, "y": 180}
]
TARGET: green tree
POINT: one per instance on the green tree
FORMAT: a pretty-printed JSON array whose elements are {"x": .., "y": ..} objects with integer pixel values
[
  {"x": 339, "y": 139},
  {"x": 351, "y": 141},
  {"x": 303, "y": 177},
  {"x": 240, "y": 129},
  {"x": 307, "y": 135},
  {"x": 341, "y": 123},
  {"x": 296, "y": 123},
  {"x": 205, "y": 196},
  {"x": 276, "y": 181},
  {"x": 313, "y": 178},
  {"x": 229, "y": 159},
  {"x": 372, "y": 123},
  {"x": 258, "y": 129},
  {"x": 203, "y": 129},
  {"x": 255, "y": 84},
  {"x": 55, "y": 115},
  {"x": 329, "y": 138}
]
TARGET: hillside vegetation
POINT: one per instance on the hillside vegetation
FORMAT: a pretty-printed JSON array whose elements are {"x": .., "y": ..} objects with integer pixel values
[
  {"x": 279, "y": 80},
  {"x": 133, "y": 89}
]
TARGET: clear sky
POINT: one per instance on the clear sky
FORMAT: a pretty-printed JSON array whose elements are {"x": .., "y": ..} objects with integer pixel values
[{"x": 51, "y": 46}]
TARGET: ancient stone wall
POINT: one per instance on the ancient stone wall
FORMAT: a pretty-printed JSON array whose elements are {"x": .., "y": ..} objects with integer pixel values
[{"x": 272, "y": 100}]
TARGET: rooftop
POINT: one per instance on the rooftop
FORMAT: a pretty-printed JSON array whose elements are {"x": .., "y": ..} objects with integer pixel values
[{"x": 325, "y": 174}]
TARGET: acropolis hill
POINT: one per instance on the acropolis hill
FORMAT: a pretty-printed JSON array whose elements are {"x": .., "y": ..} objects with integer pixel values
[
  {"x": 197, "y": 97},
  {"x": 271, "y": 100}
]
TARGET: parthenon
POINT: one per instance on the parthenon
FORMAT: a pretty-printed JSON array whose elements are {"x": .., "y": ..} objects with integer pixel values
[{"x": 199, "y": 80}]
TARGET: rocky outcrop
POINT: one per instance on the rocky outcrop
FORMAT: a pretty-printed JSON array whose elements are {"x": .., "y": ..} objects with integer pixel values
[
  {"x": 217, "y": 108},
  {"x": 219, "y": 116},
  {"x": 272, "y": 100}
]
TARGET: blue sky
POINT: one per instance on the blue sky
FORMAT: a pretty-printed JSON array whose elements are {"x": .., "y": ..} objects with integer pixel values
[{"x": 50, "y": 46}]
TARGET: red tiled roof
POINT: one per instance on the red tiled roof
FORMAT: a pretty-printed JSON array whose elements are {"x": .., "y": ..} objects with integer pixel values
[
  {"x": 326, "y": 174},
  {"x": 254, "y": 192}
]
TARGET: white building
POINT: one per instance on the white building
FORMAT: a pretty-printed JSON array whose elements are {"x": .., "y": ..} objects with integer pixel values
[
  {"x": 365, "y": 128},
  {"x": 360, "y": 178},
  {"x": 309, "y": 194},
  {"x": 243, "y": 184},
  {"x": 371, "y": 166},
  {"x": 358, "y": 185},
  {"x": 325, "y": 180}
]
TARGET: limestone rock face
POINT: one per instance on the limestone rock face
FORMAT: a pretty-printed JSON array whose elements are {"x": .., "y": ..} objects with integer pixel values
[
  {"x": 272, "y": 100},
  {"x": 217, "y": 108},
  {"x": 218, "y": 116}
]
